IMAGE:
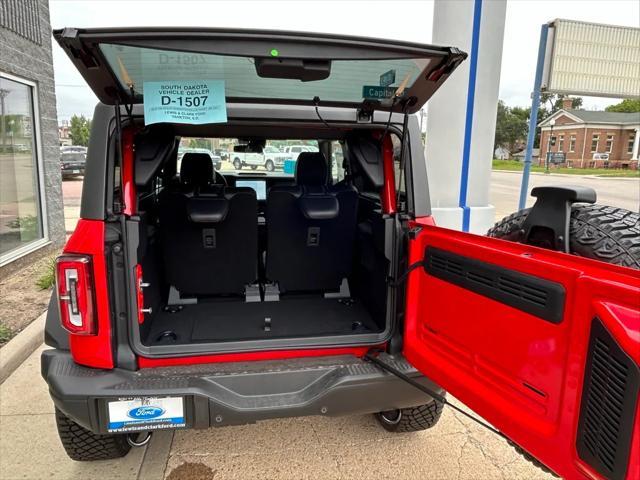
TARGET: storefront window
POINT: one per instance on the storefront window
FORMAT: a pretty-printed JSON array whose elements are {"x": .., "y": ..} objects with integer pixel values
[{"x": 20, "y": 211}]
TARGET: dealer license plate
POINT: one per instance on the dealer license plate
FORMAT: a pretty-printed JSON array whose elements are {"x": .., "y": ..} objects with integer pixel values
[
  {"x": 145, "y": 413},
  {"x": 75, "y": 171}
]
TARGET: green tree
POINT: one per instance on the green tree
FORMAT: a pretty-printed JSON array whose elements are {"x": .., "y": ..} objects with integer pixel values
[
  {"x": 511, "y": 126},
  {"x": 200, "y": 143},
  {"x": 628, "y": 105},
  {"x": 79, "y": 129}
]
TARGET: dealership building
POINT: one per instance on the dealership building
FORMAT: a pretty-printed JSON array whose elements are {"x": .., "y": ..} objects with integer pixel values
[
  {"x": 31, "y": 212},
  {"x": 591, "y": 139}
]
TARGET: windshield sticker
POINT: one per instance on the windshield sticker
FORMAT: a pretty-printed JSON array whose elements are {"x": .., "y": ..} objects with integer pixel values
[{"x": 191, "y": 101}]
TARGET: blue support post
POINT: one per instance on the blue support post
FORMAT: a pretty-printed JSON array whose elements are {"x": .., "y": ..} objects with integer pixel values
[
  {"x": 533, "y": 117},
  {"x": 471, "y": 90}
]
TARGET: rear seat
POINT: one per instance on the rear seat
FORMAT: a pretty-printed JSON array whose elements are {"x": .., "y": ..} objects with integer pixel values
[
  {"x": 310, "y": 229},
  {"x": 210, "y": 236}
]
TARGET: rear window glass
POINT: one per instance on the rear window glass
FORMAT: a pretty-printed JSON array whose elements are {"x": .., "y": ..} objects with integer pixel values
[
  {"x": 278, "y": 157},
  {"x": 344, "y": 84}
]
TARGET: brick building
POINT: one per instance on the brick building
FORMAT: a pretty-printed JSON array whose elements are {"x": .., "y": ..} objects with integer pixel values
[
  {"x": 591, "y": 139},
  {"x": 31, "y": 214}
]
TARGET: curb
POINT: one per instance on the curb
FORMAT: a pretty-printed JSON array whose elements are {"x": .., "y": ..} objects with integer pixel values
[
  {"x": 18, "y": 349},
  {"x": 569, "y": 175}
]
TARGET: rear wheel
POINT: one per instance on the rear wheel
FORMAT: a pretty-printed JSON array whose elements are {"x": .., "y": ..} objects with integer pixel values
[
  {"x": 412, "y": 419},
  {"x": 237, "y": 164},
  {"x": 269, "y": 166},
  {"x": 82, "y": 445},
  {"x": 609, "y": 234}
]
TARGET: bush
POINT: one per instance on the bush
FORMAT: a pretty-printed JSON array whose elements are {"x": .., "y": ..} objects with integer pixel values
[
  {"x": 48, "y": 278},
  {"x": 5, "y": 334}
]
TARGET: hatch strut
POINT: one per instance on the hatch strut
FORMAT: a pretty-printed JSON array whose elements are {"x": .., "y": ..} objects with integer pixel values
[{"x": 372, "y": 357}]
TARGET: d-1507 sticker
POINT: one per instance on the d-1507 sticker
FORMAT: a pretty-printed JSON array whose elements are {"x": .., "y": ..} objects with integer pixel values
[{"x": 192, "y": 101}]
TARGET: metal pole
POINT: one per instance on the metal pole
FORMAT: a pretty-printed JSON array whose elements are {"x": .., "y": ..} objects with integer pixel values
[
  {"x": 533, "y": 117},
  {"x": 546, "y": 167}
]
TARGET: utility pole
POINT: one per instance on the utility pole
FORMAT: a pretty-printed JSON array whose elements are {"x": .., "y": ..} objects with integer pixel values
[{"x": 3, "y": 133}]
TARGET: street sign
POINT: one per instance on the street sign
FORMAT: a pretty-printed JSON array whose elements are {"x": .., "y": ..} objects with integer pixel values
[
  {"x": 388, "y": 78},
  {"x": 377, "y": 93}
]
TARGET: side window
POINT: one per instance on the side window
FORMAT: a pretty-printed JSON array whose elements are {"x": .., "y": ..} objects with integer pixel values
[{"x": 336, "y": 162}]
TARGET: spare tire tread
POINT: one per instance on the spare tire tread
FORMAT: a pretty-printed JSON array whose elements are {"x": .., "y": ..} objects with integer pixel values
[{"x": 609, "y": 234}]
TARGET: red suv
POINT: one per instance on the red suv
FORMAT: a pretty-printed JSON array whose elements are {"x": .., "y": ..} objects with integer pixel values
[{"x": 190, "y": 297}]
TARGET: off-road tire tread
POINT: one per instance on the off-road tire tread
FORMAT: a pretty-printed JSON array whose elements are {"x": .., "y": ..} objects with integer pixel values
[
  {"x": 82, "y": 445},
  {"x": 609, "y": 234},
  {"x": 415, "y": 419}
]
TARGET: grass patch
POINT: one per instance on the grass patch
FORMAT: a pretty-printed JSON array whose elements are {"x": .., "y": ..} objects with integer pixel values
[
  {"x": 48, "y": 278},
  {"x": 5, "y": 334},
  {"x": 602, "y": 172}
]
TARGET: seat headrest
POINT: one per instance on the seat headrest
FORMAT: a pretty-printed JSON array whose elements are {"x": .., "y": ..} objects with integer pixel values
[
  {"x": 196, "y": 169},
  {"x": 311, "y": 169},
  {"x": 207, "y": 209}
]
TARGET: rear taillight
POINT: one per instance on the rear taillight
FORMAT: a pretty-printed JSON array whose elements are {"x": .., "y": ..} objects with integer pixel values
[{"x": 74, "y": 281}]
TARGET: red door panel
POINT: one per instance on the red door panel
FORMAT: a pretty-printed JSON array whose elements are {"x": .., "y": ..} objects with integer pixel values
[{"x": 507, "y": 329}]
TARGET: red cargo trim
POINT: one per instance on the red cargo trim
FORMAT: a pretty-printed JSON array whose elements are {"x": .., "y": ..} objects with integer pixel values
[
  {"x": 128, "y": 181},
  {"x": 93, "y": 350},
  {"x": 389, "y": 187},
  {"x": 139, "y": 294},
  {"x": 144, "y": 362}
]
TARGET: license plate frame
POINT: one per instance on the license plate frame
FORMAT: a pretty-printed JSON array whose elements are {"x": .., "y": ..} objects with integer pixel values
[{"x": 134, "y": 414}]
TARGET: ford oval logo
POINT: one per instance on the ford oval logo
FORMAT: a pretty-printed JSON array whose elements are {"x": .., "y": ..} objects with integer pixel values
[{"x": 145, "y": 413}]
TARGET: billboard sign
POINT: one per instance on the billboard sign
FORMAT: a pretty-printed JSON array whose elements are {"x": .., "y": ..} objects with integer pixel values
[{"x": 592, "y": 59}]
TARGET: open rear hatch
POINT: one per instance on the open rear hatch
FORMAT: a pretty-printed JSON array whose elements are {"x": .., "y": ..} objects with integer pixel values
[{"x": 261, "y": 66}]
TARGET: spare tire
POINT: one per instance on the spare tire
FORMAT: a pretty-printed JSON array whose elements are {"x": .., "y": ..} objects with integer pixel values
[{"x": 609, "y": 234}]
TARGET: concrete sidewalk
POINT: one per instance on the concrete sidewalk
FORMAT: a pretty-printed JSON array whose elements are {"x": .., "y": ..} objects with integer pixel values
[{"x": 314, "y": 447}]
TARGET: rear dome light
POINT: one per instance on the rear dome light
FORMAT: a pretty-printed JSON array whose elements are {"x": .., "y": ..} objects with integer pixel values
[{"x": 74, "y": 283}]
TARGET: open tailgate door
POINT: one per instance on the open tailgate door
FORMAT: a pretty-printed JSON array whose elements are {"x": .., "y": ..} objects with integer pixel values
[
  {"x": 542, "y": 344},
  {"x": 260, "y": 66}
]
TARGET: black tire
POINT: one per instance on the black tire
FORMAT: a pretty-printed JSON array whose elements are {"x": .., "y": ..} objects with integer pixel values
[
  {"x": 269, "y": 166},
  {"x": 237, "y": 164},
  {"x": 253, "y": 167},
  {"x": 83, "y": 446},
  {"x": 609, "y": 234},
  {"x": 412, "y": 419}
]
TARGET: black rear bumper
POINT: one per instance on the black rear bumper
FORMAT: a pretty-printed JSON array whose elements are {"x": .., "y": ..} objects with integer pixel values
[{"x": 236, "y": 393}]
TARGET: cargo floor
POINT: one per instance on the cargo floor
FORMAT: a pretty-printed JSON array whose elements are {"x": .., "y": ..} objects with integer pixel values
[{"x": 232, "y": 320}]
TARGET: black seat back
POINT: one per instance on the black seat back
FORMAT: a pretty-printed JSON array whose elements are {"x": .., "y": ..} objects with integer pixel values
[
  {"x": 310, "y": 229},
  {"x": 209, "y": 233},
  {"x": 196, "y": 170}
]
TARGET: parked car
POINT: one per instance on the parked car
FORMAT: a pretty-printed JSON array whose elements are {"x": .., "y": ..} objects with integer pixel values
[
  {"x": 223, "y": 154},
  {"x": 202, "y": 300},
  {"x": 72, "y": 163},
  {"x": 215, "y": 159},
  {"x": 270, "y": 159},
  {"x": 294, "y": 150}
]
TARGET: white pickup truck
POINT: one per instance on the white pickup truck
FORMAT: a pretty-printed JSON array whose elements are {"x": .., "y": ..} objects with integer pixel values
[{"x": 270, "y": 158}]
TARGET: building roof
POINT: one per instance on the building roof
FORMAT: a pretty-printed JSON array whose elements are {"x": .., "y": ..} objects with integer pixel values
[{"x": 593, "y": 116}]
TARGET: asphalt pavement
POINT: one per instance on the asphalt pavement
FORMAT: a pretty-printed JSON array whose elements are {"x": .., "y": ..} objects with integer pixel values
[{"x": 504, "y": 193}]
